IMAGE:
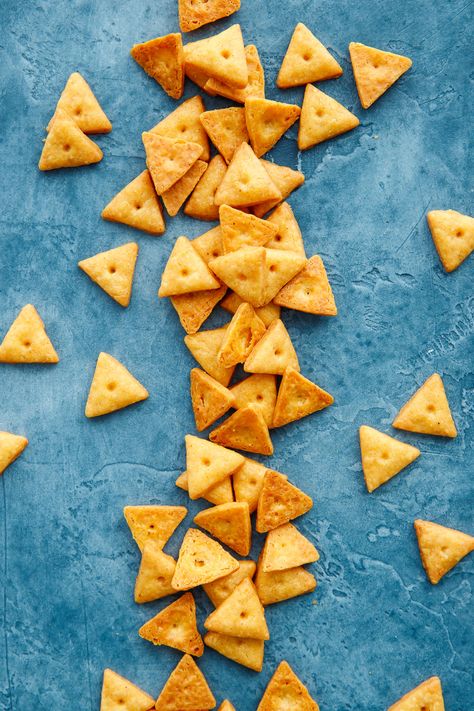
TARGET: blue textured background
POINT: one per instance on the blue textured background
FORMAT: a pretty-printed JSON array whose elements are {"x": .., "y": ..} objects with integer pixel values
[{"x": 67, "y": 560}]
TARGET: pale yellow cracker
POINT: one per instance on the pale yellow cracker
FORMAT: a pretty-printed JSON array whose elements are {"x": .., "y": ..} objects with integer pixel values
[
  {"x": 306, "y": 61},
  {"x": 226, "y": 706},
  {"x": 168, "y": 160},
  {"x": 219, "y": 590},
  {"x": 285, "y": 547},
  {"x": 240, "y": 615},
  {"x": 186, "y": 271},
  {"x": 186, "y": 689},
  {"x": 375, "y": 71},
  {"x": 248, "y": 482},
  {"x": 221, "y": 493},
  {"x": 178, "y": 193},
  {"x": 226, "y": 128},
  {"x": 207, "y": 464},
  {"x": 80, "y": 103},
  {"x": 204, "y": 346},
  {"x": 194, "y": 308},
  {"x": 246, "y": 181},
  {"x": 183, "y": 124},
  {"x": 175, "y": 626},
  {"x": 298, "y": 397},
  {"x": 113, "y": 271},
  {"x": 281, "y": 267},
  {"x": 119, "y": 694},
  {"x": 162, "y": 58},
  {"x": 201, "y": 560},
  {"x": 155, "y": 574},
  {"x": 279, "y": 502},
  {"x": 66, "y": 146},
  {"x": 113, "y": 387},
  {"x": 247, "y": 652},
  {"x": 210, "y": 400},
  {"x": 198, "y": 77},
  {"x": 283, "y": 585},
  {"x": 26, "y": 341},
  {"x": 245, "y": 273},
  {"x": 322, "y": 118},
  {"x": 274, "y": 353},
  {"x": 221, "y": 56},
  {"x": 453, "y": 236},
  {"x": 137, "y": 205},
  {"x": 209, "y": 244},
  {"x": 285, "y": 690},
  {"x": 240, "y": 229},
  {"x": 201, "y": 205},
  {"x": 427, "y": 411},
  {"x": 288, "y": 234},
  {"x": 230, "y": 524},
  {"x": 428, "y": 696},
  {"x": 259, "y": 390},
  {"x": 196, "y": 13},
  {"x": 243, "y": 332},
  {"x": 153, "y": 523},
  {"x": 246, "y": 429},
  {"x": 267, "y": 313},
  {"x": 267, "y": 121},
  {"x": 286, "y": 180},
  {"x": 309, "y": 291},
  {"x": 382, "y": 456},
  {"x": 441, "y": 548},
  {"x": 255, "y": 85},
  {"x": 11, "y": 446}
]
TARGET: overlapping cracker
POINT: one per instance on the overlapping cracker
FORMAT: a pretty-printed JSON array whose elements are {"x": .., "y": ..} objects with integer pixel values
[
  {"x": 230, "y": 524},
  {"x": 298, "y": 397},
  {"x": 240, "y": 615},
  {"x": 246, "y": 429},
  {"x": 153, "y": 523},
  {"x": 137, "y": 205},
  {"x": 175, "y": 626},
  {"x": 201, "y": 560}
]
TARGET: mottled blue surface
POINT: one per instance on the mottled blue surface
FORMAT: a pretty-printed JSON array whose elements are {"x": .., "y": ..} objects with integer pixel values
[{"x": 67, "y": 560}]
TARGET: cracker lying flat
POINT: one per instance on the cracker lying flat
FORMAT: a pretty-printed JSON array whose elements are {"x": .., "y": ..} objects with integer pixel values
[
  {"x": 246, "y": 429},
  {"x": 183, "y": 124},
  {"x": 288, "y": 234},
  {"x": 298, "y": 397},
  {"x": 201, "y": 560},
  {"x": 155, "y": 574},
  {"x": 285, "y": 690},
  {"x": 209, "y": 244},
  {"x": 255, "y": 85},
  {"x": 80, "y": 103},
  {"x": 240, "y": 229},
  {"x": 220, "y": 589},
  {"x": 453, "y": 236},
  {"x": 248, "y": 482},
  {"x": 285, "y": 547},
  {"x": 286, "y": 180},
  {"x": 382, "y": 456},
  {"x": 322, "y": 118},
  {"x": 11, "y": 446},
  {"x": 375, "y": 71},
  {"x": 279, "y": 502},
  {"x": 163, "y": 59},
  {"x": 246, "y": 181},
  {"x": 210, "y": 399},
  {"x": 221, "y": 56},
  {"x": 201, "y": 204},
  {"x": 309, "y": 291},
  {"x": 427, "y": 411},
  {"x": 267, "y": 121},
  {"x": 428, "y": 696},
  {"x": 186, "y": 271},
  {"x": 113, "y": 387},
  {"x": 226, "y": 128},
  {"x": 274, "y": 353},
  {"x": 195, "y": 308},
  {"x": 66, "y": 146},
  {"x": 226, "y": 706},
  {"x": 153, "y": 523},
  {"x": 441, "y": 548},
  {"x": 283, "y": 585},
  {"x": 242, "y": 334},
  {"x": 196, "y": 13},
  {"x": 221, "y": 493},
  {"x": 204, "y": 346},
  {"x": 175, "y": 626},
  {"x": 259, "y": 390},
  {"x": 137, "y": 205},
  {"x": 306, "y": 60},
  {"x": 26, "y": 341},
  {"x": 230, "y": 524},
  {"x": 207, "y": 464},
  {"x": 245, "y": 273},
  {"x": 185, "y": 689},
  {"x": 267, "y": 313},
  {"x": 281, "y": 267},
  {"x": 113, "y": 271},
  {"x": 247, "y": 652},
  {"x": 240, "y": 615},
  {"x": 168, "y": 160},
  {"x": 119, "y": 694},
  {"x": 177, "y": 194}
]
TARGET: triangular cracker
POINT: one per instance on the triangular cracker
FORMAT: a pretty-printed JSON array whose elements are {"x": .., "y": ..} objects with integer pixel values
[
  {"x": 267, "y": 121},
  {"x": 283, "y": 585},
  {"x": 220, "y": 589},
  {"x": 285, "y": 547},
  {"x": 274, "y": 353},
  {"x": 26, "y": 341},
  {"x": 248, "y": 482},
  {"x": 246, "y": 429},
  {"x": 428, "y": 696},
  {"x": 209, "y": 244},
  {"x": 201, "y": 204},
  {"x": 281, "y": 267},
  {"x": 167, "y": 159},
  {"x": 195, "y": 308},
  {"x": 239, "y": 229},
  {"x": 198, "y": 77},
  {"x": 256, "y": 82},
  {"x": 221, "y": 56},
  {"x": 80, "y": 103},
  {"x": 240, "y": 615},
  {"x": 137, "y": 205},
  {"x": 196, "y": 13},
  {"x": 186, "y": 271},
  {"x": 186, "y": 689},
  {"x": 246, "y": 181},
  {"x": 183, "y": 124},
  {"x": 306, "y": 61},
  {"x": 297, "y": 398},
  {"x": 382, "y": 456},
  {"x": 322, "y": 118},
  {"x": 201, "y": 560},
  {"x": 178, "y": 193},
  {"x": 153, "y": 522},
  {"x": 309, "y": 291},
  {"x": 230, "y": 524},
  {"x": 286, "y": 180},
  {"x": 242, "y": 333},
  {"x": 288, "y": 234},
  {"x": 247, "y": 652},
  {"x": 162, "y": 58},
  {"x": 375, "y": 71},
  {"x": 259, "y": 390},
  {"x": 267, "y": 313},
  {"x": 207, "y": 464},
  {"x": 244, "y": 272},
  {"x": 279, "y": 502},
  {"x": 221, "y": 493},
  {"x": 285, "y": 690},
  {"x": 113, "y": 271},
  {"x": 66, "y": 146},
  {"x": 226, "y": 706},
  {"x": 427, "y": 411},
  {"x": 453, "y": 236},
  {"x": 441, "y": 548},
  {"x": 204, "y": 346},
  {"x": 11, "y": 446},
  {"x": 176, "y": 627},
  {"x": 155, "y": 574},
  {"x": 226, "y": 128},
  {"x": 210, "y": 399},
  {"x": 119, "y": 694},
  {"x": 113, "y": 387}
]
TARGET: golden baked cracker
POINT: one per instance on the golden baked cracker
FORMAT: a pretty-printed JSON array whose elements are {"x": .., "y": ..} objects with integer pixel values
[
  {"x": 279, "y": 502},
  {"x": 382, "y": 456},
  {"x": 441, "y": 548},
  {"x": 240, "y": 615},
  {"x": 155, "y": 574},
  {"x": 66, "y": 146},
  {"x": 11, "y": 446},
  {"x": 119, "y": 694},
  {"x": 322, "y": 118},
  {"x": 226, "y": 706},
  {"x": 113, "y": 271},
  {"x": 453, "y": 236},
  {"x": 201, "y": 560},
  {"x": 201, "y": 204},
  {"x": 26, "y": 341},
  {"x": 243, "y": 332},
  {"x": 221, "y": 493},
  {"x": 428, "y": 696},
  {"x": 246, "y": 429},
  {"x": 183, "y": 124},
  {"x": 239, "y": 229},
  {"x": 230, "y": 524},
  {"x": 196, "y": 13},
  {"x": 194, "y": 308},
  {"x": 298, "y": 397},
  {"x": 113, "y": 387},
  {"x": 209, "y": 244},
  {"x": 80, "y": 103},
  {"x": 221, "y": 56},
  {"x": 198, "y": 77},
  {"x": 248, "y": 482},
  {"x": 267, "y": 121},
  {"x": 247, "y": 652},
  {"x": 167, "y": 159},
  {"x": 274, "y": 353},
  {"x": 162, "y": 58},
  {"x": 283, "y": 585},
  {"x": 288, "y": 234},
  {"x": 267, "y": 313},
  {"x": 153, "y": 523},
  {"x": 281, "y": 267},
  {"x": 309, "y": 291},
  {"x": 375, "y": 71},
  {"x": 210, "y": 399},
  {"x": 286, "y": 179},
  {"x": 427, "y": 411},
  {"x": 186, "y": 689},
  {"x": 204, "y": 347},
  {"x": 246, "y": 181},
  {"x": 137, "y": 205},
  {"x": 219, "y": 590},
  {"x": 244, "y": 272},
  {"x": 207, "y": 464},
  {"x": 259, "y": 390},
  {"x": 255, "y": 85},
  {"x": 178, "y": 193},
  {"x": 306, "y": 61},
  {"x": 185, "y": 271},
  {"x": 285, "y": 547},
  {"x": 226, "y": 128},
  {"x": 175, "y": 626},
  {"x": 285, "y": 690}
]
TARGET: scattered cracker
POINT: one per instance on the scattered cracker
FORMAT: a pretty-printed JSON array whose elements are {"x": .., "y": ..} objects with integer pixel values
[
  {"x": 153, "y": 523},
  {"x": 185, "y": 271},
  {"x": 285, "y": 547},
  {"x": 248, "y": 482},
  {"x": 113, "y": 271},
  {"x": 306, "y": 61},
  {"x": 285, "y": 685},
  {"x": 66, "y": 146},
  {"x": 209, "y": 244},
  {"x": 309, "y": 291},
  {"x": 259, "y": 390},
  {"x": 240, "y": 229},
  {"x": 186, "y": 688},
  {"x": 274, "y": 353},
  {"x": 382, "y": 456},
  {"x": 246, "y": 429},
  {"x": 247, "y": 652},
  {"x": 288, "y": 234},
  {"x": 375, "y": 71},
  {"x": 322, "y": 118},
  {"x": 137, "y": 205},
  {"x": 119, "y": 694},
  {"x": 227, "y": 129},
  {"x": 221, "y": 56},
  {"x": 453, "y": 236},
  {"x": 221, "y": 493},
  {"x": 155, "y": 574},
  {"x": 246, "y": 182},
  {"x": 245, "y": 273},
  {"x": 204, "y": 346},
  {"x": 428, "y": 696},
  {"x": 256, "y": 82},
  {"x": 281, "y": 266},
  {"x": 427, "y": 411},
  {"x": 286, "y": 180},
  {"x": 201, "y": 204},
  {"x": 283, "y": 584},
  {"x": 195, "y": 308},
  {"x": 240, "y": 615},
  {"x": 201, "y": 560},
  {"x": 175, "y": 197},
  {"x": 26, "y": 341},
  {"x": 11, "y": 446},
  {"x": 207, "y": 464},
  {"x": 298, "y": 397},
  {"x": 441, "y": 548},
  {"x": 230, "y": 524},
  {"x": 168, "y": 160},
  {"x": 196, "y": 13},
  {"x": 163, "y": 59},
  {"x": 210, "y": 399},
  {"x": 279, "y": 502},
  {"x": 220, "y": 589},
  {"x": 242, "y": 334},
  {"x": 267, "y": 313},
  {"x": 175, "y": 626},
  {"x": 267, "y": 121},
  {"x": 183, "y": 124},
  {"x": 80, "y": 103}
]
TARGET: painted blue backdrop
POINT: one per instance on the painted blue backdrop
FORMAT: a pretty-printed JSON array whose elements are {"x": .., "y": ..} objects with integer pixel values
[{"x": 375, "y": 627}]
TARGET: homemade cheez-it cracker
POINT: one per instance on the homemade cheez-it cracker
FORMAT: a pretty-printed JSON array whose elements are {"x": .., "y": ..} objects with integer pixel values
[
  {"x": 201, "y": 560},
  {"x": 279, "y": 502},
  {"x": 168, "y": 160},
  {"x": 255, "y": 85},
  {"x": 155, "y": 574},
  {"x": 113, "y": 387},
  {"x": 428, "y": 695},
  {"x": 382, "y": 456},
  {"x": 241, "y": 650},
  {"x": 26, "y": 341},
  {"x": 113, "y": 271},
  {"x": 230, "y": 524},
  {"x": 240, "y": 615},
  {"x": 441, "y": 548},
  {"x": 11, "y": 446},
  {"x": 80, "y": 103},
  {"x": 183, "y": 124},
  {"x": 186, "y": 689},
  {"x": 153, "y": 523},
  {"x": 196, "y": 13},
  {"x": 66, "y": 146},
  {"x": 375, "y": 71},
  {"x": 186, "y": 271},
  {"x": 453, "y": 236},
  {"x": 306, "y": 61},
  {"x": 163, "y": 59},
  {"x": 137, "y": 205},
  {"x": 427, "y": 411},
  {"x": 286, "y": 691},
  {"x": 119, "y": 693},
  {"x": 221, "y": 57},
  {"x": 176, "y": 627},
  {"x": 322, "y": 118}
]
